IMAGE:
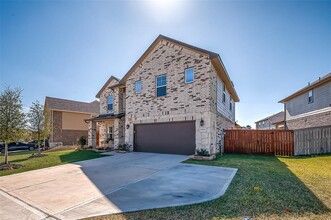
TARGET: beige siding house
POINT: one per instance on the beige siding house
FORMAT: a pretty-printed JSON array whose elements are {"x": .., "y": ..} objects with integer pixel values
[
  {"x": 175, "y": 99},
  {"x": 67, "y": 119},
  {"x": 310, "y": 106},
  {"x": 275, "y": 121}
]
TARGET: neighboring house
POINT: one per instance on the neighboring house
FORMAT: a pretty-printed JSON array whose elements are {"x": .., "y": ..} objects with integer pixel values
[
  {"x": 67, "y": 119},
  {"x": 175, "y": 99},
  {"x": 310, "y": 106},
  {"x": 237, "y": 126},
  {"x": 276, "y": 121}
]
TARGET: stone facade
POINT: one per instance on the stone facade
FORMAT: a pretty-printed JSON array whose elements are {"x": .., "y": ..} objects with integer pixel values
[
  {"x": 195, "y": 101},
  {"x": 117, "y": 124},
  {"x": 67, "y": 137},
  {"x": 183, "y": 101},
  {"x": 109, "y": 91}
]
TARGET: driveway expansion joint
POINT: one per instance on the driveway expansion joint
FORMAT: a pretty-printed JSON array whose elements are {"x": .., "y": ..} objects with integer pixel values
[
  {"x": 116, "y": 184},
  {"x": 42, "y": 214}
]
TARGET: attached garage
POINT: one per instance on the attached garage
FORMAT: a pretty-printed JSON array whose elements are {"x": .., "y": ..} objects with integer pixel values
[{"x": 167, "y": 138}]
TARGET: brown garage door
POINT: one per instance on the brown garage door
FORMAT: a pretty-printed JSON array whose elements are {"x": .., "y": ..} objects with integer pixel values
[{"x": 168, "y": 138}]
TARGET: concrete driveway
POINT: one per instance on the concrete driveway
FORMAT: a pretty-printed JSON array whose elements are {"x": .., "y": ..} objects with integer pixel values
[{"x": 119, "y": 183}]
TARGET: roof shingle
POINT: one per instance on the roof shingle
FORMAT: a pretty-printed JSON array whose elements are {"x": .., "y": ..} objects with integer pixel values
[
  {"x": 70, "y": 105},
  {"x": 276, "y": 118}
]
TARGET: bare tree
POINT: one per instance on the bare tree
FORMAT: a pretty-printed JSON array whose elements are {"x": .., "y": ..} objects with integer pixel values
[
  {"x": 37, "y": 122},
  {"x": 12, "y": 117}
]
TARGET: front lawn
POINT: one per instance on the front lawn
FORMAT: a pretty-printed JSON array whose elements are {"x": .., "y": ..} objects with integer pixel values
[
  {"x": 53, "y": 159},
  {"x": 288, "y": 188}
]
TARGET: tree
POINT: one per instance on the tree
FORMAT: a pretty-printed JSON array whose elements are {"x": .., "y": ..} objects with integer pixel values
[
  {"x": 12, "y": 117},
  {"x": 37, "y": 121}
]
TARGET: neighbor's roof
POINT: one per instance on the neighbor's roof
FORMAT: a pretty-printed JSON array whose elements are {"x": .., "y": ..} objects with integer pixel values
[
  {"x": 215, "y": 58},
  {"x": 276, "y": 118},
  {"x": 319, "y": 82},
  {"x": 70, "y": 105}
]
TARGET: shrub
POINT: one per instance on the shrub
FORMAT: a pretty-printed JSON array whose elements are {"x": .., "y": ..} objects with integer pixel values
[
  {"x": 82, "y": 141},
  {"x": 202, "y": 152},
  {"x": 124, "y": 147}
]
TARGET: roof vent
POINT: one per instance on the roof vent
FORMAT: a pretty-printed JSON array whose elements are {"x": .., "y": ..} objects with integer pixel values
[{"x": 308, "y": 83}]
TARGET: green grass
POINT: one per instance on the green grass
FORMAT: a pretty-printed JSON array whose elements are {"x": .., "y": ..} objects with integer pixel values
[
  {"x": 290, "y": 188},
  {"x": 53, "y": 159}
]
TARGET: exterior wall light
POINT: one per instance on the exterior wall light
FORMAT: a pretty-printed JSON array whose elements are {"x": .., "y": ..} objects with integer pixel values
[
  {"x": 202, "y": 122},
  {"x": 127, "y": 126}
]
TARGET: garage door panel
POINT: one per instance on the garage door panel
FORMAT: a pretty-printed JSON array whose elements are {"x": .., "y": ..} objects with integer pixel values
[{"x": 170, "y": 138}]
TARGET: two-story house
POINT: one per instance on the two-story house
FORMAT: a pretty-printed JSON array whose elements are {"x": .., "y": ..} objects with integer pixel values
[
  {"x": 310, "y": 106},
  {"x": 175, "y": 99},
  {"x": 275, "y": 121},
  {"x": 67, "y": 117}
]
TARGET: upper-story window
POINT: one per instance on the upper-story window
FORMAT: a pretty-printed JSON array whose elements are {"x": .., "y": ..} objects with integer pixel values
[
  {"x": 138, "y": 87},
  {"x": 223, "y": 97},
  {"x": 310, "y": 96},
  {"x": 161, "y": 85},
  {"x": 189, "y": 75},
  {"x": 230, "y": 106},
  {"x": 110, "y": 103}
]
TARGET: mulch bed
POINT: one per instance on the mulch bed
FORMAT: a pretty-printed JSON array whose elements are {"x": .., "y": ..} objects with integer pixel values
[
  {"x": 4, "y": 166},
  {"x": 38, "y": 155}
]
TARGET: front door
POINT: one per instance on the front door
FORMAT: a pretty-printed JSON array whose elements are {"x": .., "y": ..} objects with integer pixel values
[{"x": 97, "y": 138}]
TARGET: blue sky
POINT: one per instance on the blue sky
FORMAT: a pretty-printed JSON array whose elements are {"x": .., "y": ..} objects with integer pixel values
[{"x": 68, "y": 49}]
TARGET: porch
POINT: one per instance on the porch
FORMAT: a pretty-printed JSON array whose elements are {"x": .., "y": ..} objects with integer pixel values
[{"x": 106, "y": 130}]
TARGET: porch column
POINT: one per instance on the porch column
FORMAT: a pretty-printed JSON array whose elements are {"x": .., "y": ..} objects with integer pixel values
[
  {"x": 118, "y": 132},
  {"x": 92, "y": 133}
]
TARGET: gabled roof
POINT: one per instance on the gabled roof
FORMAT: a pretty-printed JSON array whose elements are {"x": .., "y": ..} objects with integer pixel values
[
  {"x": 216, "y": 61},
  {"x": 105, "y": 85},
  {"x": 275, "y": 118},
  {"x": 70, "y": 105},
  {"x": 319, "y": 82}
]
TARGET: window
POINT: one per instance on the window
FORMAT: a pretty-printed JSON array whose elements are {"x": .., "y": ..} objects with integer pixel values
[
  {"x": 138, "y": 87},
  {"x": 161, "y": 85},
  {"x": 223, "y": 99},
  {"x": 110, "y": 103},
  {"x": 310, "y": 96},
  {"x": 110, "y": 133},
  {"x": 189, "y": 75},
  {"x": 230, "y": 104}
]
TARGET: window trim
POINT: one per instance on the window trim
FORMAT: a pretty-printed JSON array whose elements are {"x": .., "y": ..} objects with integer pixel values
[
  {"x": 156, "y": 86},
  {"x": 112, "y": 103},
  {"x": 139, "y": 81},
  {"x": 185, "y": 75},
  {"x": 311, "y": 98}
]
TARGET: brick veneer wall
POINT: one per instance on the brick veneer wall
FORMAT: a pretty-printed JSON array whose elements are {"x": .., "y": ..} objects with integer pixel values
[
  {"x": 184, "y": 101},
  {"x": 317, "y": 120},
  {"x": 108, "y": 91},
  {"x": 67, "y": 137}
]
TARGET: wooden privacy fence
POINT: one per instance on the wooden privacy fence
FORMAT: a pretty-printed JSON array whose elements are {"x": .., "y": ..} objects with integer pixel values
[
  {"x": 266, "y": 142},
  {"x": 312, "y": 141}
]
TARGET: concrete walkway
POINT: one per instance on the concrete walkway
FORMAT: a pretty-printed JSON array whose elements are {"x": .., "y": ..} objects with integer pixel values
[{"x": 119, "y": 183}]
